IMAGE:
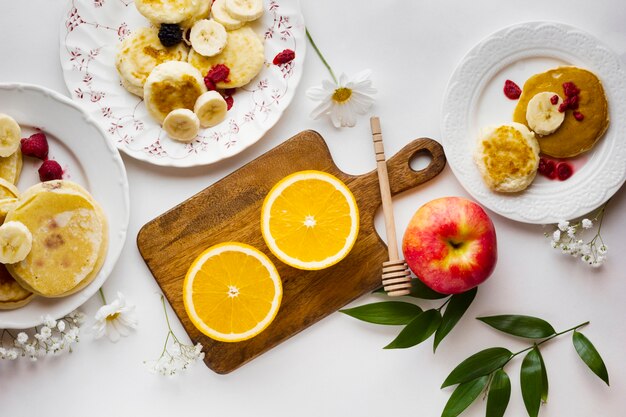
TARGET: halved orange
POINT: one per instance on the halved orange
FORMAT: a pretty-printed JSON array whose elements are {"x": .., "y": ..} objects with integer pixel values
[
  {"x": 310, "y": 220},
  {"x": 232, "y": 292}
]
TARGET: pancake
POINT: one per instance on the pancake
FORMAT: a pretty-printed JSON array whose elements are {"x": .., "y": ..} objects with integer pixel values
[
  {"x": 507, "y": 157},
  {"x": 6, "y": 205},
  {"x": 11, "y": 167},
  {"x": 70, "y": 238},
  {"x": 12, "y": 295},
  {"x": 243, "y": 55},
  {"x": 573, "y": 137},
  {"x": 204, "y": 9},
  {"x": 140, "y": 53},
  {"x": 172, "y": 85}
]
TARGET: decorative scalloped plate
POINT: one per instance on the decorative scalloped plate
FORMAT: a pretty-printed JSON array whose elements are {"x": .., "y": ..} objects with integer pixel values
[
  {"x": 78, "y": 143},
  {"x": 91, "y": 32},
  {"x": 474, "y": 99}
]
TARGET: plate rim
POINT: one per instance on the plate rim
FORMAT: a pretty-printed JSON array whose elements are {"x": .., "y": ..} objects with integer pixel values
[
  {"x": 187, "y": 162},
  {"x": 447, "y": 141},
  {"x": 82, "y": 295}
]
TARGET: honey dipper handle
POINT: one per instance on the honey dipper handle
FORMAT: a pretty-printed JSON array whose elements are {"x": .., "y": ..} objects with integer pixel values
[{"x": 385, "y": 193}]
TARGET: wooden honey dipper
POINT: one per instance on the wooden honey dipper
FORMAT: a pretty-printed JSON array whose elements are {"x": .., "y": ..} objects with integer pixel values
[{"x": 396, "y": 274}]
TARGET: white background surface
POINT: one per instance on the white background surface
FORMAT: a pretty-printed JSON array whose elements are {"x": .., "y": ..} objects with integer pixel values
[{"x": 337, "y": 367}]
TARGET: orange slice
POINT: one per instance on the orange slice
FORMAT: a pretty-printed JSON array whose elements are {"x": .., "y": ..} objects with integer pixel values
[
  {"x": 310, "y": 220},
  {"x": 232, "y": 292}
]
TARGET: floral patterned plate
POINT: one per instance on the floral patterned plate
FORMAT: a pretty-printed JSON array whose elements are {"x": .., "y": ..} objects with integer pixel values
[
  {"x": 91, "y": 32},
  {"x": 474, "y": 99}
]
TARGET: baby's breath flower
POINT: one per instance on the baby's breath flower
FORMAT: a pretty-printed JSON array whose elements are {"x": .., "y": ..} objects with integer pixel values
[
  {"x": 175, "y": 356},
  {"x": 593, "y": 252},
  {"x": 21, "y": 338}
]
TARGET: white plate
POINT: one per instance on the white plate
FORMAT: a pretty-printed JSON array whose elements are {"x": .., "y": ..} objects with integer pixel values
[
  {"x": 88, "y": 158},
  {"x": 91, "y": 32},
  {"x": 474, "y": 98}
]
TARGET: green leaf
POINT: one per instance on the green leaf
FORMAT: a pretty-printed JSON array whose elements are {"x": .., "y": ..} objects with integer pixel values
[
  {"x": 531, "y": 382},
  {"x": 463, "y": 396},
  {"x": 544, "y": 378},
  {"x": 522, "y": 326},
  {"x": 479, "y": 364},
  {"x": 590, "y": 356},
  {"x": 458, "y": 305},
  {"x": 499, "y": 394},
  {"x": 386, "y": 312},
  {"x": 420, "y": 290},
  {"x": 417, "y": 331}
]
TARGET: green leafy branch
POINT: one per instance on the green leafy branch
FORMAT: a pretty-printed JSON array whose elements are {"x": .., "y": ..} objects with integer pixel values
[
  {"x": 484, "y": 371},
  {"x": 419, "y": 324}
]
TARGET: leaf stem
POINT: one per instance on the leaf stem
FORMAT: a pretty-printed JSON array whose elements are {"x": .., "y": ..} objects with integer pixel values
[
  {"x": 444, "y": 304},
  {"x": 319, "y": 53},
  {"x": 548, "y": 339},
  {"x": 167, "y": 319},
  {"x": 104, "y": 300}
]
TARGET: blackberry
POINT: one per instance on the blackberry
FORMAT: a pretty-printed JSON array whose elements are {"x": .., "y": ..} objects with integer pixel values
[{"x": 170, "y": 34}]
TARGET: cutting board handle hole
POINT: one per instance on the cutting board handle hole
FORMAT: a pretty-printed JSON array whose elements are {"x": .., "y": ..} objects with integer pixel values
[{"x": 420, "y": 160}]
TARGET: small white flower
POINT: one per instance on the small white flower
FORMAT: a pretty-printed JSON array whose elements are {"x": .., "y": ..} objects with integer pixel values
[
  {"x": 12, "y": 354},
  {"x": 571, "y": 232},
  {"x": 115, "y": 319},
  {"x": 563, "y": 225},
  {"x": 587, "y": 224},
  {"x": 49, "y": 321},
  {"x": 21, "y": 338},
  {"x": 61, "y": 326},
  {"x": 342, "y": 101},
  {"x": 556, "y": 236}
]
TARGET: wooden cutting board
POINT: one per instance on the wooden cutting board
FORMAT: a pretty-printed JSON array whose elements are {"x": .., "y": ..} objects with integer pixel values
[{"x": 230, "y": 210}]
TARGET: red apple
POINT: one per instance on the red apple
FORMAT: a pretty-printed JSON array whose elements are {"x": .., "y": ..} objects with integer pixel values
[{"x": 450, "y": 244}]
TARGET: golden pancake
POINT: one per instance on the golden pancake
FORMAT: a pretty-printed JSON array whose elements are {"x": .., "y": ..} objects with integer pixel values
[
  {"x": 573, "y": 137},
  {"x": 507, "y": 157},
  {"x": 11, "y": 167},
  {"x": 70, "y": 238},
  {"x": 12, "y": 295}
]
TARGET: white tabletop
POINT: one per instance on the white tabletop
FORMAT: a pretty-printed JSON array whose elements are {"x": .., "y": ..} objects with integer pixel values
[{"x": 338, "y": 367}]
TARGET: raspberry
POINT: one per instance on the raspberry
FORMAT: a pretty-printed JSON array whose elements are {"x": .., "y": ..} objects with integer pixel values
[
  {"x": 229, "y": 102},
  {"x": 512, "y": 90},
  {"x": 562, "y": 107},
  {"x": 170, "y": 34},
  {"x": 554, "y": 99},
  {"x": 572, "y": 102},
  {"x": 230, "y": 91},
  {"x": 570, "y": 89},
  {"x": 284, "y": 57},
  {"x": 36, "y": 145},
  {"x": 50, "y": 170},
  {"x": 218, "y": 73},
  {"x": 210, "y": 85},
  {"x": 578, "y": 116},
  {"x": 564, "y": 171},
  {"x": 547, "y": 168}
]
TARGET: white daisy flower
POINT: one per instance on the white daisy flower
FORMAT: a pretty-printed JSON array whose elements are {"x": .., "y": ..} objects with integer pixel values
[
  {"x": 343, "y": 100},
  {"x": 115, "y": 319}
]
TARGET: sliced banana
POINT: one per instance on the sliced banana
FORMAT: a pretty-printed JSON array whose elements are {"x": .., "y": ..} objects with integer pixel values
[
  {"x": 16, "y": 242},
  {"x": 208, "y": 37},
  {"x": 182, "y": 125},
  {"x": 204, "y": 9},
  {"x": 8, "y": 189},
  {"x": 221, "y": 15},
  {"x": 10, "y": 133},
  {"x": 245, "y": 10},
  {"x": 211, "y": 108},
  {"x": 167, "y": 11},
  {"x": 542, "y": 115}
]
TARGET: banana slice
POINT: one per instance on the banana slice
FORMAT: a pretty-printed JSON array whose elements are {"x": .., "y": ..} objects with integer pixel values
[
  {"x": 203, "y": 12},
  {"x": 167, "y": 11},
  {"x": 16, "y": 242},
  {"x": 10, "y": 133},
  {"x": 221, "y": 15},
  {"x": 208, "y": 37},
  {"x": 245, "y": 10},
  {"x": 182, "y": 125},
  {"x": 542, "y": 113},
  {"x": 210, "y": 108},
  {"x": 8, "y": 190}
]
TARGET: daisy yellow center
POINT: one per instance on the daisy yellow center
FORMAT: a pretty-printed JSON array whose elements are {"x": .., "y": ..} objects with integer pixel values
[
  {"x": 342, "y": 94},
  {"x": 113, "y": 316}
]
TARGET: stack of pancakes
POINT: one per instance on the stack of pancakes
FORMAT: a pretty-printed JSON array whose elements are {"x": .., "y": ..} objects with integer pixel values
[{"x": 69, "y": 242}]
